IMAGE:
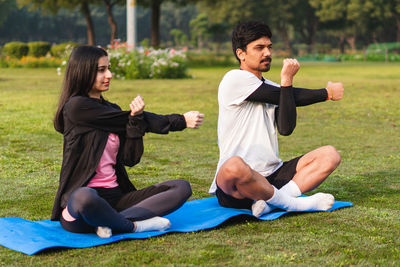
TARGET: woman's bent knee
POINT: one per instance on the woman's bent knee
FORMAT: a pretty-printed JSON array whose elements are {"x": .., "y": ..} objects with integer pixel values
[
  {"x": 183, "y": 187},
  {"x": 82, "y": 198}
]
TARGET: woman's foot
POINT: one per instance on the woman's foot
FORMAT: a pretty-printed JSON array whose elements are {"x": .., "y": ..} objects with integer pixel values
[
  {"x": 103, "y": 232},
  {"x": 152, "y": 224}
]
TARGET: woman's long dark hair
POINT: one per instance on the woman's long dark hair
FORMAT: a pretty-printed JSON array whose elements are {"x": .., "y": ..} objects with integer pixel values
[{"x": 80, "y": 75}]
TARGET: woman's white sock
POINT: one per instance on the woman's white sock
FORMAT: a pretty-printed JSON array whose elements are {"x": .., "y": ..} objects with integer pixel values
[
  {"x": 152, "y": 224},
  {"x": 291, "y": 189},
  {"x": 318, "y": 201},
  {"x": 103, "y": 231}
]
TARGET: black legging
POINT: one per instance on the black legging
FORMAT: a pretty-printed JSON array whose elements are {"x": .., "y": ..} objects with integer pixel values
[{"x": 92, "y": 210}]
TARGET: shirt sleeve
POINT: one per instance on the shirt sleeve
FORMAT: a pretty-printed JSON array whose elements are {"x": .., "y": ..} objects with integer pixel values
[
  {"x": 285, "y": 113},
  {"x": 236, "y": 86},
  {"x": 268, "y": 93}
]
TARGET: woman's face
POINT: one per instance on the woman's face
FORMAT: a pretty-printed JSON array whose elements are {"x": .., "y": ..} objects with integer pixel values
[{"x": 103, "y": 78}]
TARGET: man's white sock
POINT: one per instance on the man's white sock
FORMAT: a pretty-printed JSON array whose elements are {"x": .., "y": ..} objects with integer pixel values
[
  {"x": 152, "y": 224},
  {"x": 291, "y": 189},
  {"x": 260, "y": 207},
  {"x": 319, "y": 201}
]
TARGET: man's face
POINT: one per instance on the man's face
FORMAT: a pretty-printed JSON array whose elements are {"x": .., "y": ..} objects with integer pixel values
[{"x": 257, "y": 57}]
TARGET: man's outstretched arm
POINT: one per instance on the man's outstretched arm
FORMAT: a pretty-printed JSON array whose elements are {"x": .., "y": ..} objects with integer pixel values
[{"x": 267, "y": 93}]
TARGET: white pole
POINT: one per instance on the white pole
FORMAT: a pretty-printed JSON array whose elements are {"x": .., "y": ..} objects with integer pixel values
[{"x": 131, "y": 23}]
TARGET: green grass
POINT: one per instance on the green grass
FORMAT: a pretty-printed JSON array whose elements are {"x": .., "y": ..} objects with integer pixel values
[{"x": 364, "y": 127}]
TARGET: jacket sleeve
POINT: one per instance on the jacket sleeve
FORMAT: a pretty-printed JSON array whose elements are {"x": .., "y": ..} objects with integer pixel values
[
  {"x": 162, "y": 124},
  {"x": 88, "y": 112},
  {"x": 302, "y": 97},
  {"x": 133, "y": 145}
]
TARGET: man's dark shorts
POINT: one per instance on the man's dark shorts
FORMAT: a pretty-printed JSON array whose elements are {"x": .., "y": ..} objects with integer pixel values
[{"x": 278, "y": 179}]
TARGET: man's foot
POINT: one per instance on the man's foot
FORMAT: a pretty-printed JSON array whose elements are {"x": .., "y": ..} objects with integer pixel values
[
  {"x": 103, "y": 232},
  {"x": 260, "y": 207},
  {"x": 323, "y": 201},
  {"x": 316, "y": 202},
  {"x": 152, "y": 224}
]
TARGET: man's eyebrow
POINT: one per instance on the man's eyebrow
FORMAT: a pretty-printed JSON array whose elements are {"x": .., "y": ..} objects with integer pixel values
[{"x": 263, "y": 45}]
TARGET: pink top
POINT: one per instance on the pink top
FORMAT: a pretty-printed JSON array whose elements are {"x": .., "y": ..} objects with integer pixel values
[{"x": 105, "y": 172}]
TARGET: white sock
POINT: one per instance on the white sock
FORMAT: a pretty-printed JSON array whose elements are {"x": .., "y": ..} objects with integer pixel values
[
  {"x": 152, "y": 224},
  {"x": 260, "y": 207},
  {"x": 291, "y": 189},
  {"x": 103, "y": 232},
  {"x": 318, "y": 201}
]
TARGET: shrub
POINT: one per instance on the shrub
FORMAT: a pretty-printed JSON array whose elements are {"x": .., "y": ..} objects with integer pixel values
[
  {"x": 29, "y": 62},
  {"x": 38, "y": 49},
  {"x": 147, "y": 63},
  {"x": 15, "y": 49},
  {"x": 211, "y": 60},
  {"x": 62, "y": 50}
]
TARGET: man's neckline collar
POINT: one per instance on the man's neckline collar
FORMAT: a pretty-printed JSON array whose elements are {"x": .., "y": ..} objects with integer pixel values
[{"x": 262, "y": 78}]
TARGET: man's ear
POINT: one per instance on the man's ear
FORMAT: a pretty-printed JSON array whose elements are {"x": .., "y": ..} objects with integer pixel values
[{"x": 240, "y": 54}]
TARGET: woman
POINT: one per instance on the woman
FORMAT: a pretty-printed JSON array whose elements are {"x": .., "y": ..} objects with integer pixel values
[{"x": 95, "y": 193}]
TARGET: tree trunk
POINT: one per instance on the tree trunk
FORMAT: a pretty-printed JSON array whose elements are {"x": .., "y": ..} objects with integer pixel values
[
  {"x": 342, "y": 43},
  {"x": 352, "y": 42},
  {"x": 155, "y": 23},
  {"x": 312, "y": 33},
  {"x": 398, "y": 28},
  {"x": 89, "y": 24},
  {"x": 111, "y": 21},
  {"x": 285, "y": 37}
]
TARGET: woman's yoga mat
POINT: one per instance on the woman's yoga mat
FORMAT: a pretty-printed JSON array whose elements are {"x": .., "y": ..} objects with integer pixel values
[{"x": 30, "y": 237}]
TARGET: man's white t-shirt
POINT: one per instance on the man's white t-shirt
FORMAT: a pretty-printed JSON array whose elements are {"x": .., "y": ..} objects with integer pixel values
[{"x": 246, "y": 129}]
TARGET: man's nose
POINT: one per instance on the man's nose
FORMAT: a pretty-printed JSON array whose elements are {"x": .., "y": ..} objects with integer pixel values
[{"x": 267, "y": 52}]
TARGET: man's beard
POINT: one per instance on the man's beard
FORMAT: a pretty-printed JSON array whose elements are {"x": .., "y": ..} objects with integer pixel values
[
  {"x": 264, "y": 69},
  {"x": 267, "y": 67}
]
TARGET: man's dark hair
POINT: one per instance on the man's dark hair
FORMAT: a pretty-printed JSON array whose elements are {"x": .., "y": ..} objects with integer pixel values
[{"x": 247, "y": 32}]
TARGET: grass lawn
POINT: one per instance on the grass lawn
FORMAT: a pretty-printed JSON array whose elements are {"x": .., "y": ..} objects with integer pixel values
[{"x": 364, "y": 127}]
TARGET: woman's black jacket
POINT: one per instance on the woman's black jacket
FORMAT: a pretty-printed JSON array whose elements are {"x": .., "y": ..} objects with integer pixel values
[{"x": 87, "y": 124}]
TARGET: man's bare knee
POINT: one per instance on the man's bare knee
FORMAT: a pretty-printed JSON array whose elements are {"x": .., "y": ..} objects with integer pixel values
[
  {"x": 236, "y": 167},
  {"x": 331, "y": 157}
]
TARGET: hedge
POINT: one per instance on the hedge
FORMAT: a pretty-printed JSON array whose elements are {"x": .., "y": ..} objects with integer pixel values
[
  {"x": 62, "y": 50},
  {"x": 38, "y": 49},
  {"x": 15, "y": 49}
]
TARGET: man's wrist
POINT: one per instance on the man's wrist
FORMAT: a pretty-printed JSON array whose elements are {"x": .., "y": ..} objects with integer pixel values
[
  {"x": 330, "y": 93},
  {"x": 286, "y": 82}
]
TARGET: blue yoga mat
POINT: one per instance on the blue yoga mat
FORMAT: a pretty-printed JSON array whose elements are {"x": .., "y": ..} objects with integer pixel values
[{"x": 30, "y": 237}]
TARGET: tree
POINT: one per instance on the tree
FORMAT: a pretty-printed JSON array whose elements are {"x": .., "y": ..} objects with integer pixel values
[
  {"x": 180, "y": 38},
  {"x": 393, "y": 7},
  {"x": 6, "y": 6},
  {"x": 199, "y": 30},
  {"x": 84, "y": 6},
  {"x": 333, "y": 17},
  {"x": 54, "y": 6},
  {"x": 304, "y": 21},
  {"x": 350, "y": 20},
  {"x": 281, "y": 16},
  {"x": 109, "y": 6},
  {"x": 155, "y": 6}
]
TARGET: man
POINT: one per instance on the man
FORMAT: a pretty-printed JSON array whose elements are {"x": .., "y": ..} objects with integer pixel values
[{"x": 250, "y": 174}]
